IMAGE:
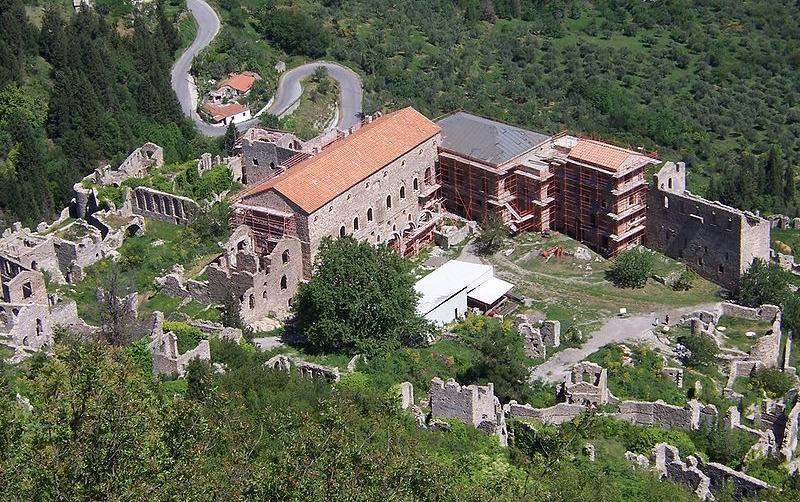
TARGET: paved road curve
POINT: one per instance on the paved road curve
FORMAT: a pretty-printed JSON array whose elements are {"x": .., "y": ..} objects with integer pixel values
[{"x": 289, "y": 88}]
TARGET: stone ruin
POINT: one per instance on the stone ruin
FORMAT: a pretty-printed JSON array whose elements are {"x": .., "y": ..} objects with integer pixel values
[
  {"x": 587, "y": 385},
  {"x": 704, "y": 480},
  {"x": 305, "y": 369},
  {"x": 263, "y": 284},
  {"x": 164, "y": 347},
  {"x": 674, "y": 374},
  {"x": 471, "y": 404},
  {"x": 139, "y": 162},
  {"x": 536, "y": 340}
]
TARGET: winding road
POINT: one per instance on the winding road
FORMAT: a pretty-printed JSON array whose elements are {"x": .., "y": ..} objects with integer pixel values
[{"x": 289, "y": 88}]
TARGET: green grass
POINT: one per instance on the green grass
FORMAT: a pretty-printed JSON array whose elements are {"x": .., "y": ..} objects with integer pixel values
[
  {"x": 788, "y": 236},
  {"x": 187, "y": 30},
  {"x": 736, "y": 328},
  {"x": 139, "y": 264},
  {"x": 316, "y": 108},
  {"x": 585, "y": 296},
  {"x": 744, "y": 386}
]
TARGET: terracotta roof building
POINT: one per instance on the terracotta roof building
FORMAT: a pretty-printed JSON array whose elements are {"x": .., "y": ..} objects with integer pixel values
[
  {"x": 377, "y": 184},
  {"x": 225, "y": 114}
]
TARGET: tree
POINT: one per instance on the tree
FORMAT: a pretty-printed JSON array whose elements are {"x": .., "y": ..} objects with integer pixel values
[
  {"x": 491, "y": 234},
  {"x": 773, "y": 381},
  {"x": 361, "y": 299},
  {"x": 116, "y": 312},
  {"x": 775, "y": 172},
  {"x": 270, "y": 121},
  {"x": 789, "y": 189},
  {"x": 229, "y": 140},
  {"x": 231, "y": 312},
  {"x": 763, "y": 283},
  {"x": 502, "y": 357},
  {"x": 295, "y": 32},
  {"x": 631, "y": 268},
  {"x": 790, "y": 317},
  {"x": 702, "y": 350},
  {"x": 199, "y": 376}
]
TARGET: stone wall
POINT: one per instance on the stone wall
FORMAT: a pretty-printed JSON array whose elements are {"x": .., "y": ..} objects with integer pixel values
[
  {"x": 669, "y": 465},
  {"x": 743, "y": 486},
  {"x": 666, "y": 416},
  {"x": 557, "y": 414},
  {"x": 587, "y": 384},
  {"x": 471, "y": 404},
  {"x": 767, "y": 349},
  {"x": 263, "y": 156},
  {"x": 163, "y": 206},
  {"x": 263, "y": 284},
  {"x": 164, "y": 348},
  {"x": 142, "y": 159},
  {"x": 764, "y": 313},
  {"x": 716, "y": 241},
  {"x": 790, "y": 435}
]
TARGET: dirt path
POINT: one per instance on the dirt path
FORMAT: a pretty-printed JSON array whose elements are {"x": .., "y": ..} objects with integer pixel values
[{"x": 630, "y": 329}]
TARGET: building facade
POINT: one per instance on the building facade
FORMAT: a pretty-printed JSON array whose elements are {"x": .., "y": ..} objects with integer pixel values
[{"x": 377, "y": 184}]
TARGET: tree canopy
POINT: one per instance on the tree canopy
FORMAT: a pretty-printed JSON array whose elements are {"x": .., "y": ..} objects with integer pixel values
[
  {"x": 631, "y": 268},
  {"x": 763, "y": 283},
  {"x": 360, "y": 299}
]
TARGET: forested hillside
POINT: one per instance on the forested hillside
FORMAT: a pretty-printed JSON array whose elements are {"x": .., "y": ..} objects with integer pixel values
[
  {"x": 77, "y": 89},
  {"x": 712, "y": 82}
]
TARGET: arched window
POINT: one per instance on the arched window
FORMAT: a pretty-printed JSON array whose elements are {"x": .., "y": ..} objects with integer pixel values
[
  {"x": 388, "y": 202},
  {"x": 272, "y": 165},
  {"x": 355, "y": 223},
  {"x": 252, "y": 302},
  {"x": 369, "y": 214},
  {"x": 283, "y": 283},
  {"x": 428, "y": 176},
  {"x": 402, "y": 192},
  {"x": 669, "y": 183},
  {"x": 285, "y": 256},
  {"x": 415, "y": 184},
  {"x": 341, "y": 231}
]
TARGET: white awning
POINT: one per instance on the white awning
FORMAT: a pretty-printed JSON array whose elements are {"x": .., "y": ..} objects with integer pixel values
[{"x": 490, "y": 291}]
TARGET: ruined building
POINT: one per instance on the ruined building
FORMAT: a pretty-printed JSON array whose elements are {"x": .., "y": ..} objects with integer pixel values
[
  {"x": 267, "y": 153},
  {"x": 589, "y": 190},
  {"x": 377, "y": 184},
  {"x": 716, "y": 241}
]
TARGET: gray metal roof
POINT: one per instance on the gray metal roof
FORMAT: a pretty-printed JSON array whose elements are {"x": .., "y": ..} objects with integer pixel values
[{"x": 486, "y": 140}]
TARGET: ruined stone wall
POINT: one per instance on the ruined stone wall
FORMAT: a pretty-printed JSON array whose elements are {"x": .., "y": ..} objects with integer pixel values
[
  {"x": 164, "y": 348},
  {"x": 767, "y": 349},
  {"x": 142, "y": 159},
  {"x": 471, "y": 404},
  {"x": 30, "y": 251},
  {"x": 555, "y": 415},
  {"x": 262, "y": 160},
  {"x": 163, "y": 206},
  {"x": 264, "y": 285},
  {"x": 744, "y": 486},
  {"x": 669, "y": 465},
  {"x": 30, "y": 326},
  {"x": 764, "y": 313},
  {"x": 790, "y": 435},
  {"x": 666, "y": 416},
  {"x": 717, "y": 241}
]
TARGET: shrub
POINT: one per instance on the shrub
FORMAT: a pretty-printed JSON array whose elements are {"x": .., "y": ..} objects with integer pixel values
[
  {"x": 631, "y": 268},
  {"x": 684, "y": 281},
  {"x": 188, "y": 336},
  {"x": 702, "y": 350},
  {"x": 763, "y": 283},
  {"x": 773, "y": 381}
]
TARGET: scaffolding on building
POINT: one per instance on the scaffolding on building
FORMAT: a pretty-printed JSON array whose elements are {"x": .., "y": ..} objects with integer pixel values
[{"x": 267, "y": 226}]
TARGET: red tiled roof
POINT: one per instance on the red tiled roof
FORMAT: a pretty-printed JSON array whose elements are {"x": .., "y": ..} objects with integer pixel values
[
  {"x": 610, "y": 157},
  {"x": 242, "y": 82},
  {"x": 318, "y": 180},
  {"x": 220, "y": 112}
]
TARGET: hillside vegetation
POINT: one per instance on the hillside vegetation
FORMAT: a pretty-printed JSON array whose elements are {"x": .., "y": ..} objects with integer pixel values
[
  {"x": 79, "y": 89},
  {"x": 711, "y": 82}
]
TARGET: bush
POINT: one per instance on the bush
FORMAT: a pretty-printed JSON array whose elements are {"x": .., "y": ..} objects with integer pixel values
[
  {"x": 631, "y": 268},
  {"x": 763, "y": 283},
  {"x": 294, "y": 32},
  {"x": 702, "y": 350},
  {"x": 684, "y": 281},
  {"x": 188, "y": 336},
  {"x": 773, "y": 381}
]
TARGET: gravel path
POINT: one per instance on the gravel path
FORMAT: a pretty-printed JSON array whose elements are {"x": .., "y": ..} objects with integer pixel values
[{"x": 617, "y": 329}]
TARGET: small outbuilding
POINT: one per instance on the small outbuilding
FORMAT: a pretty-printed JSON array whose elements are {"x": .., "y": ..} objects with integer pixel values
[{"x": 445, "y": 293}]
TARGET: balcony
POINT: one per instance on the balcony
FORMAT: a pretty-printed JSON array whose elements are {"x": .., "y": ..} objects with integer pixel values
[{"x": 627, "y": 187}]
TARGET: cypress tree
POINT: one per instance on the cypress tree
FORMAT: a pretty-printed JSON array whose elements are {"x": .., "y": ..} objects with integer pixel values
[
  {"x": 229, "y": 141},
  {"x": 774, "y": 173},
  {"x": 789, "y": 188}
]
